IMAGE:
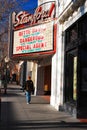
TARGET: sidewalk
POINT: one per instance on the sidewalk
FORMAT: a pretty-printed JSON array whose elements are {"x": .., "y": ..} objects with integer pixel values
[{"x": 15, "y": 112}]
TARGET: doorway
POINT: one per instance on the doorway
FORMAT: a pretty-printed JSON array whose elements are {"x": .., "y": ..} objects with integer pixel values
[
  {"x": 71, "y": 77},
  {"x": 82, "y": 84},
  {"x": 47, "y": 80}
]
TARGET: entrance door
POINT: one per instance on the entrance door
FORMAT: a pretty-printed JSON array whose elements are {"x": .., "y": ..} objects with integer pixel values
[
  {"x": 71, "y": 77},
  {"x": 82, "y": 83},
  {"x": 47, "y": 80}
]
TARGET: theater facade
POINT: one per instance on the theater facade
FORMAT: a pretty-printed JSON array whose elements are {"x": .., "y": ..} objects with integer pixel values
[{"x": 55, "y": 39}]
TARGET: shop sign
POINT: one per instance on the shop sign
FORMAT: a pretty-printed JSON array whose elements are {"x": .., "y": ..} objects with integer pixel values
[
  {"x": 23, "y": 18},
  {"x": 33, "y": 39},
  {"x": 33, "y": 35}
]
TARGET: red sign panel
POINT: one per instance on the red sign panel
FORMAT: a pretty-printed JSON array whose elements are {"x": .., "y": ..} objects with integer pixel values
[{"x": 31, "y": 37}]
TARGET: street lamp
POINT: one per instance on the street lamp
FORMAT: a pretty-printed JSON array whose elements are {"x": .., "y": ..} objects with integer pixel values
[{"x": 5, "y": 81}]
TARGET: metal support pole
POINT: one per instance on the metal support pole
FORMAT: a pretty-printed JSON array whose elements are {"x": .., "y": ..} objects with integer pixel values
[
  {"x": 5, "y": 82},
  {"x": 0, "y": 102}
]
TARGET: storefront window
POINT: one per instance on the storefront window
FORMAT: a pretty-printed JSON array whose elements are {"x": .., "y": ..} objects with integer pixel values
[
  {"x": 71, "y": 76},
  {"x": 74, "y": 78},
  {"x": 73, "y": 35}
]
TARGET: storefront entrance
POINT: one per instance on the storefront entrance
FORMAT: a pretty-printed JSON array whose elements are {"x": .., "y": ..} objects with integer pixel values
[
  {"x": 44, "y": 80},
  {"x": 71, "y": 78},
  {"x": 82, "y": 83},
  {"x": 75, "y": 78},
  {"x": 47, "y": 80},
  {"x": 71, "y": 81},
  {"x": 76, "y": 82}
]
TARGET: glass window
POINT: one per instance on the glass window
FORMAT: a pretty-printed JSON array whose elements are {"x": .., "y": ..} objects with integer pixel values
[{"x": 71, "y": 76}]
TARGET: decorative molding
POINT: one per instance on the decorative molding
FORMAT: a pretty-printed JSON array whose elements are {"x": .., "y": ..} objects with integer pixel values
[{"x": 70, "y": 10}]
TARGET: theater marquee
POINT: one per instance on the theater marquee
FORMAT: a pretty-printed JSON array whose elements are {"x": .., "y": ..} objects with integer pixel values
[
  {"x": 33, "y": 36},
  {"x": 33, "y": 39}
]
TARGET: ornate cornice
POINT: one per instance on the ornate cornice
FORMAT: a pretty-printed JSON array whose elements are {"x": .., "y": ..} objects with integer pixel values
[{"x": 70, "y": 10}]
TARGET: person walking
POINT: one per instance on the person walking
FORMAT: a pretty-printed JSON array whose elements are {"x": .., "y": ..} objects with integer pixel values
[
  {"x": 4, "y": 82},
  {"x": 29, "y": 87}
]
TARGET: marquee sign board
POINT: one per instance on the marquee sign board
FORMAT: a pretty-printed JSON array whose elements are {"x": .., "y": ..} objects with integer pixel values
[
  {"x": 33, "y": 35},
  {"x": 33, "y": 39}
]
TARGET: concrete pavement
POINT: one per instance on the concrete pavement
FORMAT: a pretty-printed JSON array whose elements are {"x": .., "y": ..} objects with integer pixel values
[{"x": 16, "y": 114}]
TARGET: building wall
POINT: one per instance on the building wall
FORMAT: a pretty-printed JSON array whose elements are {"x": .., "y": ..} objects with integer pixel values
[
  {"x": 29, "y": 69},
  {"x": 57, "y": 66},
  {"x": 67, "y": 14},
  {"x": 66, "y": 20},
  {"x": 57, "y": 72},
  {"x": 34, "y": 76},
  {"x": 75, "y": 16}
]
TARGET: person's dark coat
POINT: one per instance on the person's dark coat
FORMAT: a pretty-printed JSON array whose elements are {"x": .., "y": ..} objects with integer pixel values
[{"x": 29, "y": 86}]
